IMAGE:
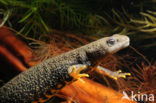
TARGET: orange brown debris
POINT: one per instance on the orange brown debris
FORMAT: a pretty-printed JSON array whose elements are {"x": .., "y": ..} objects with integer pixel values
[
  {"x": 12, "y": 59},
  {"x": 92, "y": 92},
  {"x": 17, "y": 47}
]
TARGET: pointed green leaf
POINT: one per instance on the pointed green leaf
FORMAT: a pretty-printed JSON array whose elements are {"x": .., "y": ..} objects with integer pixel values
[
  {"x": 44, "y": 24},
  {"x": 26, "y": 17}
]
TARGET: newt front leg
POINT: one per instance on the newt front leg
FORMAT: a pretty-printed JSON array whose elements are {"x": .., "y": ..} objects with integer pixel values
[
  {"x": 115, "y": 75},
  {"x": 79, "y": 67}
]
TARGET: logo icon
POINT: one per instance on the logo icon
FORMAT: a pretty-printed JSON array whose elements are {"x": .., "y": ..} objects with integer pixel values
[{"x": 125, "y": 95}]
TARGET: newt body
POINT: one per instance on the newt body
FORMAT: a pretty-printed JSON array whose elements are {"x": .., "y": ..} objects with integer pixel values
[{"x": 44, "y": 79}]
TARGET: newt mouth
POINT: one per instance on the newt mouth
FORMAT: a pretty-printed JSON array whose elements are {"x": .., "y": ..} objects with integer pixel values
[{"x": 127, "y": 42}]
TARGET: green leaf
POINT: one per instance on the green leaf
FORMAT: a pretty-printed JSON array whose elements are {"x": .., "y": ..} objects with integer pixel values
[
  {"x": 4, "y": 2},
  {"x": 28, "y": 31},
  {"x": 44, "y": 24},
  {"x": 91, "y": 21},
  {"x": 26, "y": 17},
  {"x": 5, "y": 18}
]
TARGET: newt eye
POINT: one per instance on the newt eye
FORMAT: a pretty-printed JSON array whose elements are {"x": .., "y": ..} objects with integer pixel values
[{"x": 111, "y": 41}]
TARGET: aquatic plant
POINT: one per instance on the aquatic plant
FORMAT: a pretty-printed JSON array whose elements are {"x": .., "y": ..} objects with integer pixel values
[
  {"x": 33, "y": 17},
  {"x": 37, "y": 17}
]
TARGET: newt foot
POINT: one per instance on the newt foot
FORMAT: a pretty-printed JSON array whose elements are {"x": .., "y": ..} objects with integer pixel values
[
  {"x": 119, "y": 74},
  {"x": 75, "y": 73}
]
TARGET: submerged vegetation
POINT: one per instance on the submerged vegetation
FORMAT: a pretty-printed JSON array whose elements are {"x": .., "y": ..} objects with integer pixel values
[{"x": 40, "y": 18}]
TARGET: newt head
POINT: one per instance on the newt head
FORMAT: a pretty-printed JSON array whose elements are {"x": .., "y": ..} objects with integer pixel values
[{"x": 115, "y": 43}]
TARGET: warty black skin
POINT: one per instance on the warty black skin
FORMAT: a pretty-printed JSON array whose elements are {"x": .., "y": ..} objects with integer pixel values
[{"x": 38, "y": 80}]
